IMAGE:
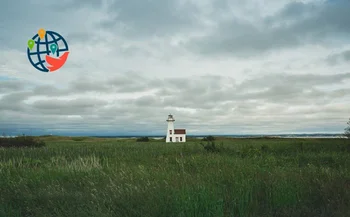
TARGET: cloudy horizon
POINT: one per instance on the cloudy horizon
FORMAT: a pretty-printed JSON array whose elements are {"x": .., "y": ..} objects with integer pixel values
[{"x": 219, "y": 66}]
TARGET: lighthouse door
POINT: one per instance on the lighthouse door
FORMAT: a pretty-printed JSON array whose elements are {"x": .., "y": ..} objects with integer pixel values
[{"x": 177, "y": 139}]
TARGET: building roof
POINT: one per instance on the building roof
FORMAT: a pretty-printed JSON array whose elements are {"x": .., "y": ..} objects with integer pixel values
[{"x": 179, "y": 131}]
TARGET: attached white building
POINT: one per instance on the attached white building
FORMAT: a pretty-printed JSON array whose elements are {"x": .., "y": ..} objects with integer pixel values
[{"x": 174, "y": 135}]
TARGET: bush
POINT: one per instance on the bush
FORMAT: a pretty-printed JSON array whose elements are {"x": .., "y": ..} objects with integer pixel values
[
  {"x": 21, "y": 141},
  {"x": 252, "y": 151},
  {"x": 143, "y": 139},
  {"x": 46, "y": 136},
  {"x": 210, "y": 146},
  {"x": 265, "y": 148},
  {"x": 209, "y": 138},
  {"x": 78, "y": 139}
]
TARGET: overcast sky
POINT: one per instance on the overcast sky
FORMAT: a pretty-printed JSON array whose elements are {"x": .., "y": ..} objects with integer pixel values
[{"x": 219, "y": 66}]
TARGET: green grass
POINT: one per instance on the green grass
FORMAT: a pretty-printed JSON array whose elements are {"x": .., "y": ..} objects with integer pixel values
[{"x": 115, "y": 177}]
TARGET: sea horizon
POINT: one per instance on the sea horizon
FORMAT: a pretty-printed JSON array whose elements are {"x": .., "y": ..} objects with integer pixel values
[{"x": 285, "y": 135}]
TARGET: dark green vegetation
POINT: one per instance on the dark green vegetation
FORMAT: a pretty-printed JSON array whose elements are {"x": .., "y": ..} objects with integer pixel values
[
  {"x": 21, "y": 141},
  {"x": 116, "y": 177},
  {"x": 142, "y": 139},
  {"x": 208, "y": 138}
]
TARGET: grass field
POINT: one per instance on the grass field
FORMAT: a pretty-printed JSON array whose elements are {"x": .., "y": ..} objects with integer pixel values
[{"x": 116, "y": 177}]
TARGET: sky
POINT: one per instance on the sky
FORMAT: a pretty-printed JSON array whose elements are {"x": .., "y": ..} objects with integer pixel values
[{"x": 219, "y": 66}]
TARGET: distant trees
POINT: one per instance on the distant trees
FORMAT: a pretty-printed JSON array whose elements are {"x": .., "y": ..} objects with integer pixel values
[{"x": 347, "y": 130}]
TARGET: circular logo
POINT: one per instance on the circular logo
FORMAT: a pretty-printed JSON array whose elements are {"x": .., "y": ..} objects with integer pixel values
[{"x": 47, "y": 51}]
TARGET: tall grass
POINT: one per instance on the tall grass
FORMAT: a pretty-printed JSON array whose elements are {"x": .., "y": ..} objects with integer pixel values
[{"x": 108, "y": 177}]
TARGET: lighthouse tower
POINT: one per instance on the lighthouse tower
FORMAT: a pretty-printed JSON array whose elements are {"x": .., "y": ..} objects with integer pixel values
[
  {"x": 170, "y": 131},
  {"x": 174, "y": 135}
]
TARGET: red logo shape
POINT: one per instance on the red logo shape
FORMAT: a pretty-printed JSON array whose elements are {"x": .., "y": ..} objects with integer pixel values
[{"x": 56, "y": 63}]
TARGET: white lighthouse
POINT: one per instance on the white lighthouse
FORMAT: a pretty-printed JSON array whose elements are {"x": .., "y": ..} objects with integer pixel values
[{"x": 174, "y": 135}]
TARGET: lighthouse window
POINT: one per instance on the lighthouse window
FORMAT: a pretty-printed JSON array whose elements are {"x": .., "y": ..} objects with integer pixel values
[
  {"x": 181, "y": 139},
  {"x": 171, "y": 139},
  {"x": 170, "y": 131}
]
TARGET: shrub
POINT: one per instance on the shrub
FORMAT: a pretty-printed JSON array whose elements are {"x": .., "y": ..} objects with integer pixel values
[
  {"x": 46, "y": 136},
  {"x": 251, "y": 151},
  {"x": 78, "y": 139},
  {"x": 209, "y": 138},
  {"x": 301, "y": 147},
  {"x": 210, "y": 146},
  {"x": 21, "y": 141},
  {"x": 265, "y": 148},
  {"x": 143, "y": 139}
]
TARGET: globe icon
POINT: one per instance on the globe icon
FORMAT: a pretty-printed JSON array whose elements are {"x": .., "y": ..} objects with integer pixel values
[{"x": 40, "y": 50}]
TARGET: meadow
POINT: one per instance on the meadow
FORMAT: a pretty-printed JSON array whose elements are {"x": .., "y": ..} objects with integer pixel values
[{"x": 121, "y": 177}]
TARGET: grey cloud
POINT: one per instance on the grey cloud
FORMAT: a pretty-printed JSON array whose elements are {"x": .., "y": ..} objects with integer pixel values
[
  {"x": 308, "y": 24},
  {"x": 196, "y": 93},
  {"x": 130, "y": 87},
  {"x": 77, "y": 37},
  {"x": 275, "y": 88},
  {"x": 14, "y": 101},
  {"x": 195, "y": 85},
  {"x": 294, "y": 11},
  {"x": 241, "y": 39},
  {"x": 155, "y": 17},
  {"x": 344, "y": 92},
  {"x": 11, "y": 85},
  {"x": 287, "y": 93},
  {"x": 278, "y": 101},
  {"x": 78, "y": 106},
  {"x": 20, "y": 20},
  {"x": 84, "y": 85},
  {"x": 334, "y": 59},
  {"x": 300, "y": 81},
  {"x": 144, "y": 18},
  {"x": 76, "y": 4},
  {"x": 76, "y": 103},
  {"x": 147, "y": 101},
  {"x": 49, "y": 90},
  {"x": 128, "y": 83}
]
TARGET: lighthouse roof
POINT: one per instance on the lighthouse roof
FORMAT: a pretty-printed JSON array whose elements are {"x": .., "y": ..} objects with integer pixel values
[
  {"x": 179, "y": 131},
  {"x": 170, "y": 118}
]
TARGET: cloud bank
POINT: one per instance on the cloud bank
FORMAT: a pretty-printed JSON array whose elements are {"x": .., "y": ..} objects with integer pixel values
[{"x": 221, "y": 67}]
